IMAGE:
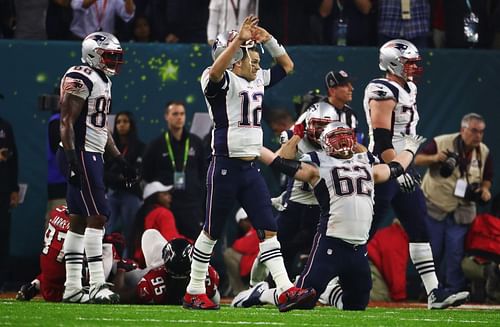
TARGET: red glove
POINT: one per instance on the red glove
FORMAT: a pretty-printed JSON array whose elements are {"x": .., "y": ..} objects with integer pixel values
[{"x": 298, "y": 129}]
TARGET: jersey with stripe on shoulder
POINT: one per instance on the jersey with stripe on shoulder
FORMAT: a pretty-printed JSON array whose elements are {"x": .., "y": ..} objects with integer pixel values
[
  {"x": 235, "y": 106},
  {"x": 405, "y": 115},
  {"x": 301, "y": 192},
  {"x": 345, "y": 195},
  {"x": 91, "y": 131}
]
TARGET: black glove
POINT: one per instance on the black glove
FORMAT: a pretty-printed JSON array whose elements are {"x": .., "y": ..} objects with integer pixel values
[
  {"x": 128, "y": 171},
  {"x": 75, "y": 171}
]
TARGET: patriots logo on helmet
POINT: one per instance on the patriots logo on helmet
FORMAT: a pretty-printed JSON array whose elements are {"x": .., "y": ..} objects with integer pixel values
[
  {"x": 98, "y": 38},
  {"x": 381, "y": 93},
  {"x": 400, "y": 46}
]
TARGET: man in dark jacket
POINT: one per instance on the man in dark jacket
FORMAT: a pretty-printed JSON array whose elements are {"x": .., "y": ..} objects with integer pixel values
[{"x": 177, "y": 158}]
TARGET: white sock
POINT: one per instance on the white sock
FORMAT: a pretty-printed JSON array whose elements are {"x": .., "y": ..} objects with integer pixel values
[
  {"x": 202, "y": 252},
  {"x": 258, "y": 273},
  {"x": 73, "y": 259},
  {"x": 269, "y": 296},
  {"x": 270, "y": 255},
  {"x": 93, "y": 250},
  {"x": 421, "y": 256},
  {"x": 335, "y": 297}
]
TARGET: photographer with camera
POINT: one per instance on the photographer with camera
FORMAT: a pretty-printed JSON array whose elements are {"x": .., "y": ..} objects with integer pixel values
[{"x": 459, "y": 175}]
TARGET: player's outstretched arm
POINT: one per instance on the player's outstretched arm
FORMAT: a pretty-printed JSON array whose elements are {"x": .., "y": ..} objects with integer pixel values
[
  {"x": 222, "y": 62},
  {"x": 276, "y": 50},
  {"x": 293, "y": 168},
  {"x": 400, "y": 163},
  {"x": 381, "y": 118}
]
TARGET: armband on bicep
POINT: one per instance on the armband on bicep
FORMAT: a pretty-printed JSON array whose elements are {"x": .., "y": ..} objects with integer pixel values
[
  {"x": 286, "y": 166},
  {"x": 383, "y": 140},
  {"x": 396, "y": 169}
]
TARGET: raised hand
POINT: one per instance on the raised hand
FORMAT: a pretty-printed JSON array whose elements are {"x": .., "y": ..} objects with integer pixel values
[{"x": 247, "y": 28}]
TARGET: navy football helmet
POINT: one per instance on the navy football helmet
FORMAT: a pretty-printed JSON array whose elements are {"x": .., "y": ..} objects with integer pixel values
[{"x": 177, "y": 256}]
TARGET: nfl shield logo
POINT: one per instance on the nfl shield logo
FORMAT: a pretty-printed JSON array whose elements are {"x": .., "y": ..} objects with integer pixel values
[{"x": 223, "y": 172}]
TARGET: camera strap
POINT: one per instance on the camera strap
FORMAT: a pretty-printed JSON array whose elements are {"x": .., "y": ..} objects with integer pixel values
[{"x": 464, "y": 163}]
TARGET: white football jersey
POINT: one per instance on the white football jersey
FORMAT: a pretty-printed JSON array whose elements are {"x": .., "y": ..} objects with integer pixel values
[
  {"x": 345, "y": 194},
  {"x": 301, "y": 192},
  {"x": 91, "y": 127},
  {"x": 405, "y": 114},
  {"x": 235, "y": 107}
]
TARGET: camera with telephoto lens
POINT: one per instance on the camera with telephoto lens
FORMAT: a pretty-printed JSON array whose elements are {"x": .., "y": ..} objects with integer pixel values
[{"x": 449, "y": 164}]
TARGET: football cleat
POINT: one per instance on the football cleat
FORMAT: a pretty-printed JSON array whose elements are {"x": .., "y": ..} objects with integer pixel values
[
  {"x": 198, "y": 302},
  {"x": 76, "y": 295},
  {"x": 101, "y": 294},
  {"x": 250, "y": 297},
  {"x": 441, "y": 299},
  {"x": 295, "y": 298},
  {"x": 26, "y": 292}
]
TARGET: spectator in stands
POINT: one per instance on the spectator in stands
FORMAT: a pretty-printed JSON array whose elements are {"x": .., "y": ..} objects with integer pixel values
[
  {"x": 9, "y": 192},
  {"x": 388, "y": 254},
  {"x": 56, "y": 182},
  {"x": 141, "y": 30},
  {"x": 179, "y": 21},
  {"x": 345, "y": 22},
  {"x": 177, "y": 158},
  {"x": 30, "y": 19},
  {"x": 7, "y": 19},
  {"x": 460, "y": 174},
  {"x": 458, "y": 19},
  {"x": 241, "y": 255},
  {"x": 99, "y": 15},
  {"x": 226, "y": 15},
  {"x": 59, "y": 16},
  {"x": 404, "y": 19},
  {"x": 482, "y": 249},
  {"x": 124, "y": 201},
  {"x": 153, "y": 214}
]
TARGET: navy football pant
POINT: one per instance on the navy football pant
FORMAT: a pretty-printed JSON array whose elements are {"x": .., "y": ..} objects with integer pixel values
[
  {"x": 409, "y": 208},
  {"x": 231, "y": 180},
  {"x": 331, "y": 257}
]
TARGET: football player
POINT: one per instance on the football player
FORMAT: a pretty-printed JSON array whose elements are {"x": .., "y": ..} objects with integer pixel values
[
  {"x": 343, "y": 183},
  {"x": 163, "y": 282},
  {"x": 50, "y": 282},
  {"x": 297, "y": 222},
  {"x": 390, "y": 105},
  {"x": 234, "y": 87},
  {"x": 85, "y": 94}
]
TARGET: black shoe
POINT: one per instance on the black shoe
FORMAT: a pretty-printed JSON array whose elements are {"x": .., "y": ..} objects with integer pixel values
[{"x": 26, "y": 292}]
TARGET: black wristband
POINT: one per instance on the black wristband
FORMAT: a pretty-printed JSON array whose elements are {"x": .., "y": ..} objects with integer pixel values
[
  {"x": 396, "y": 169},
  {"x": 286, "y": 166},
  {"x": 413, "y": 154},
  {"x": 383, "y": 140}
]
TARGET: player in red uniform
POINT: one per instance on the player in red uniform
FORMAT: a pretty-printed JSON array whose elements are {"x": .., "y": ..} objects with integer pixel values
[
  {"x": 50, "y": 282},
  {"x": 166, "y": 283}
]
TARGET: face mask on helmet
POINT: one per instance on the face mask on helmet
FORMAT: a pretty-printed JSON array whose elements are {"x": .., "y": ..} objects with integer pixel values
[
  {"x": 177, "y": 257},
  {"x": 314, "y": 128},
  {"x": 401, "y": 58},
  {"x": 102, "y": 51},
  {"x": 338, "y": 140}
]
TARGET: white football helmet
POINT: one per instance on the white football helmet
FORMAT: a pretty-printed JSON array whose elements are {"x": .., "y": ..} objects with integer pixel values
[
  {"x": 400, "y": 58},
  {"x": 102, "y": 51},
  {"x": 338, "y": 140},
  {"x": 317, "y": 117},
  {"x": 222, "y": 42}
]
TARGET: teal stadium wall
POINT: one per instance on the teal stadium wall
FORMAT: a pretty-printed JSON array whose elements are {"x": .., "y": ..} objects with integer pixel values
[{"x": 455, "y": 82}]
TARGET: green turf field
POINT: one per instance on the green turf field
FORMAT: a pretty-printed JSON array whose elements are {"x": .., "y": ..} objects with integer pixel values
[{"x": 37, "y": 313}]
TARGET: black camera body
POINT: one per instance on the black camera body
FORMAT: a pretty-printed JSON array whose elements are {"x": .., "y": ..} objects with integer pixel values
[
  {"x": 449, "y": 164},
  {"x": 472, "y": 195}
]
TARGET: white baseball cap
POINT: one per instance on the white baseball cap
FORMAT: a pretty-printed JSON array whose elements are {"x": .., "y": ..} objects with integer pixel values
[
  {"x": 155, "y": 187},
  {"x": 240, "y": 214}
]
